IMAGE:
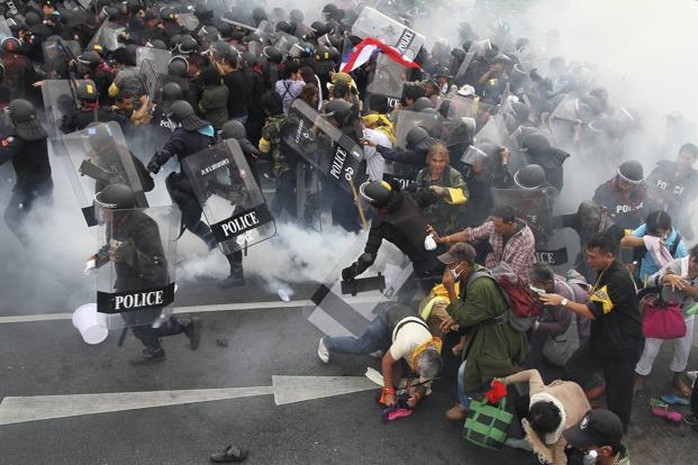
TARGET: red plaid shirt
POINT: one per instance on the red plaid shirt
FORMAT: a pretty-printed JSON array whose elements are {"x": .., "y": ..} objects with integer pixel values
[{"x": 518, "y": 252}]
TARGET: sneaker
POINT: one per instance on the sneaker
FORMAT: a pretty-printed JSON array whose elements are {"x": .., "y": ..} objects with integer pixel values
[
  {"x": 457, "y": 412},
  {"x": 149, "y": 356},
  {"x": 691, "y": 420},
  {"x": 322, "y": 351},
  {"x": 193, "y": 333},
  {"x": 233, "y": 280}
]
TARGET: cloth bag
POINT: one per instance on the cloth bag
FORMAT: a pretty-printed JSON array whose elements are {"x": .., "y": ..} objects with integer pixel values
[{"x": 486, "y": 425}]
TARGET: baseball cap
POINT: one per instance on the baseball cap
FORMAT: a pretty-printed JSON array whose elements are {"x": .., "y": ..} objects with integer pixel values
[
  {"x": 598, "y": 427},
  {"x": 460, "y": 252}
]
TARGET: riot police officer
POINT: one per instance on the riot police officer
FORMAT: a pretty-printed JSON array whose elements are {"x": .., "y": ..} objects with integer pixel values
[
  {"x": 136, "y": 249},
  {"x": 26, "y": 147},
  {"x": 191, "y": 136}
]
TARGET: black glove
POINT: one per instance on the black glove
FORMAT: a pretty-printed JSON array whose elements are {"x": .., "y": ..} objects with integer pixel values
[
  {"x": 153, "y": 167},
  {"x": 159, "y": 159},
  {"x": 349, "y": 272}
]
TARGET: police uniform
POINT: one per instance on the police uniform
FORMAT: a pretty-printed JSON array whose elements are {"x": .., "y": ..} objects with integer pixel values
[
  {"x": 33, "y": 171},
  {"x": 672, "y": 191},
  {"x": 625, "y": 207}
]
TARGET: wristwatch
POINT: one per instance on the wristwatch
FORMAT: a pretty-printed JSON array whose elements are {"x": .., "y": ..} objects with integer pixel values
[{"x": 564, "y": 302}]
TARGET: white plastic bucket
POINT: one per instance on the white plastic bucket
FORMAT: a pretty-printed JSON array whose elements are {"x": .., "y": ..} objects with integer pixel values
[{"x": 91, "y": 324}]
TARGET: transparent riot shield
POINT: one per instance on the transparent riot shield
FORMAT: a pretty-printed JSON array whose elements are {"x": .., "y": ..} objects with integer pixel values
[
  {"x": 135, "y": 265},
  {"x": 5, "y": 31},
  {"x": 311, "y": 137},
  {"x": 388, "y": 77},
  {"x": 563, "y": 119},
  {"x": 533, "y": 205},
  {"x": 150, "y": 79},
  {"x": 478, "y": 48},
  {"x": 188, "y": 21},
  {"x": 231, "y": 200},
  {"x": 95, "y": 158},
  {"x": 345, "y": 308},
  {"x": 406, "y": 120},
  {"x": 373, "y": 23},
  {"x": 107, "y": 36},
  {"x": 494, "y": 132},
  {"x": 462, "y": 107},
  {"x": 57, "y": 54},
  {"x": 59, "y": 101},
  {"x": 285, "y": 41},
  {"x": 158, "y": 59}
]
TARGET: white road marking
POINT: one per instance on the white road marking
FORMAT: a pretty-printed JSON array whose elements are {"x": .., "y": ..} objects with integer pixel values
[
  {"x": 285, "y": 389},
  {"x": 232, "y": 307}
]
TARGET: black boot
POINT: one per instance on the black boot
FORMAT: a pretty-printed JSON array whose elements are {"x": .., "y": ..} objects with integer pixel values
[
  {"x": 237, "y": 276},
  {"x": 149, "y": 355},
  {"x": 203, "y": 232},
  {"x": 193, "y": 331}
]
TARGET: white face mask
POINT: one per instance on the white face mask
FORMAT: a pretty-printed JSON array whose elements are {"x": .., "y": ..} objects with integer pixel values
[{"x": 455, "y": 274}]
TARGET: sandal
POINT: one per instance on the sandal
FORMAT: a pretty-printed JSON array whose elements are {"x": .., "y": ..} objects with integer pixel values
[{"x": 229, "y": 455}]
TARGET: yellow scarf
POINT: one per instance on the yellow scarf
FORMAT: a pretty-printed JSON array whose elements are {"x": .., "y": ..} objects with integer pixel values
[{"x": 433, "y": 342}]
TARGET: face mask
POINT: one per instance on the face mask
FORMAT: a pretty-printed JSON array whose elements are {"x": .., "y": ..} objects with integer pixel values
[{"x": 455, "y": 274}]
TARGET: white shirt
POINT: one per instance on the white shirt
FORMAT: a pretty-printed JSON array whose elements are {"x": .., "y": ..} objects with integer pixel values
[{"x": 375, "y": 163}]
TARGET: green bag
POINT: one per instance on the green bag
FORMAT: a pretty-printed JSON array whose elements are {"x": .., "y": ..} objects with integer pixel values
[{"x": 486, "y": 425}]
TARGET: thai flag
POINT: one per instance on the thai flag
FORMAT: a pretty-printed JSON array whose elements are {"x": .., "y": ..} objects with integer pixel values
[{"x": 362, "y": 52}]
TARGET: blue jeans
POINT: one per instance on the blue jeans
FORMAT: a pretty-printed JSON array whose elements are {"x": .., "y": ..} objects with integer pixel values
[
  {"x": 375, "y": 338},
  {"x": 463, "y": 399}
]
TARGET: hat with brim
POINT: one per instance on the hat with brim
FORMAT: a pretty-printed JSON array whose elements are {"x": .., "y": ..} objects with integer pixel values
[{"x": 460, "y": 252}]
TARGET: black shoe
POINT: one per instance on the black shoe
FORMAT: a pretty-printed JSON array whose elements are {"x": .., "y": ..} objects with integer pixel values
[
  {"x": 229, "y": 454},
  {"x": 235, "y": 279},
  {"x": 149, "y": 356},
  {"x": 193, "y": 332}
]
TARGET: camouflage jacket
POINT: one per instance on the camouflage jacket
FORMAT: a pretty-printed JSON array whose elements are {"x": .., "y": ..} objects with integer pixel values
[{"x": 270, "y": 144}]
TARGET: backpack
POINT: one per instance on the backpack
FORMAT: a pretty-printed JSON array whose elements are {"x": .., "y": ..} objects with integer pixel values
[{"x": 523, "y": 307}]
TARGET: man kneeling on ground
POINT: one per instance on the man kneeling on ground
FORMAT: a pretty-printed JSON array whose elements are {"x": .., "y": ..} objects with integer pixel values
[{"x": 409, "y": 348}]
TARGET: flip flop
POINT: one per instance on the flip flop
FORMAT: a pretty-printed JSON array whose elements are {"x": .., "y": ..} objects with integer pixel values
[
  {"x": 673, "y": 399},
  {"x": 661, "y": 410}
]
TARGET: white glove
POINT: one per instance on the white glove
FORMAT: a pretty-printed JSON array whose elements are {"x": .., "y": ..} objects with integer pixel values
[{"x": 90, "y": 266}]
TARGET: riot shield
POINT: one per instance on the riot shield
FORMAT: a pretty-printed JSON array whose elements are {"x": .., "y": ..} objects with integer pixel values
[
  {"x": 285, "y": 41},
  {"x": 373, "y": 23},
  {"x": 477, "y": 48},
  {"x": 461, "y": 107},
  {"x": 387, "y": 78},
  {"x": 188, "y": 21},
  {"x": 59, "y": 101},
  {"x": 149, "y": 78},
  {"x": 107, "y": 36},
  {"x": 57, "y": 53},
  {"x": 231, "y": 200},
  {"x": 563, "y": 119},
  {"x": 135, "y": 264},
  {"x": 158, "y": 59},
  {"x": 494, "y": 132},
  {"x": 406, "y": 120},
  {"x": 95, "y": 158},
  {"x": 5, "y": 31},
  {"x": 345, "y": 308},
  {"x": 311, "y": 137},
  {"x": 533, "y": 205}
]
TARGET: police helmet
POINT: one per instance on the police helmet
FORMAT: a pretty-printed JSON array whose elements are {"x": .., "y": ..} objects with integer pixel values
[
  {"x": 115, "y": 197},
  {"x": 376, "y": 193},
  {"x": 178, "y": 66},
  {"x": 340, "y": 110},
  {"x": 530, "y": 177},
  {"x": 90, "y": 59},
  {"x": 422, "y": 103},
  {"x": 21, "y": 111},
  {"x": 233, "y": 129},
  {"x": 86, "y": 90},
  {"x": 631, "y": 171},
  {"x": 416, "y": 135},
  {"x": 180, "y": 110},
  {"x": 273, "y": 55},
  {"x": 171, "y": 92}
]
